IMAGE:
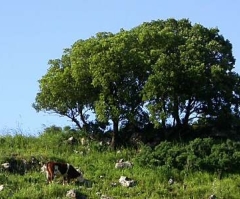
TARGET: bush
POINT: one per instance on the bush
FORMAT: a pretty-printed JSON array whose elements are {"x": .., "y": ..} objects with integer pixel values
[{"x": 200, "y": 154}]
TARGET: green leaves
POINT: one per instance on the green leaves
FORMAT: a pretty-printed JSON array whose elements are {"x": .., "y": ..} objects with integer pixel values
[
  {"x": 172, "y": 71},
  {"x": 61, "y": 93},
  {"x": 199, "y": 154},
  {"x": 189, "y": 72}
]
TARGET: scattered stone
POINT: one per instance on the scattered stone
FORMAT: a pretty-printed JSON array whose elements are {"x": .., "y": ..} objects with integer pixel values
[
  {"x": 98, "y": 193},
  {"x": 20, "y": 165},
  {"x": 84, "y": 141},
  {"x": 72, "y": 140},
  {"x": 71, "y": 193},
  {"x": 6, "y": 165},
  {"x": 126, "y": 182},
  {"x": 105, "y": 197},
  {"x": 212, "y": 197},
  {"x": 75, "y": 194},
  {"x": 75, "y": 151},
  {"x": 121, "y": 160},
  {"x": 113, "y": 184},
  {"x": 170, "y": 181},
  {"x": 1, "y": 187},
  {"x": 122, "y": 164}
]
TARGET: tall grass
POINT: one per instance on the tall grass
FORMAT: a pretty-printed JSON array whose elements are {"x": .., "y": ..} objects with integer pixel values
[{"x": 102, "y": 178}]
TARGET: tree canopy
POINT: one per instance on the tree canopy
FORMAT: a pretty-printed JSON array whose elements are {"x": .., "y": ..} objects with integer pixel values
[
  {"x": 61, "y": 93},
  {"x": 167, "y": 72},
  {"x": 193, "y": 75}
]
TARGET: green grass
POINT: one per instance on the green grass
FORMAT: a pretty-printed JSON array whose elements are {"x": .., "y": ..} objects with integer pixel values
[{"x": 98, "y": 167}]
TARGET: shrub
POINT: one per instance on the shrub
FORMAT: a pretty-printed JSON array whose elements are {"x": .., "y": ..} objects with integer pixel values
[{"x": 200, "y": 154}]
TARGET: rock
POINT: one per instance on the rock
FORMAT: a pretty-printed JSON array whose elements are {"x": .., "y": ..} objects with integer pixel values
[
  {"x": 170, "y": 181},
  {"x": 113, "y": 184},
  {"x": 6, "y": 165},
  {"x": 122, "y": 164},
  {"x": 71, "y": 194},
  {"x": 105, "y": 197},
  {"x": 126, "y": 182},
  {"x": 212, "y": 197}
]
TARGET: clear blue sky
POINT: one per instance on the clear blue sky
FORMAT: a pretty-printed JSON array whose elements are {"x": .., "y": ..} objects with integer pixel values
[{"x": 32, "y": 32}]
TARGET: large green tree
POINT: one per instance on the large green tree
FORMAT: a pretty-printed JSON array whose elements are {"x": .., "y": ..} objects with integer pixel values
[
  {"x": 193, "y": 75},
  {"x": 169, "y": 70},
  {"x": 117, "y": 68}
]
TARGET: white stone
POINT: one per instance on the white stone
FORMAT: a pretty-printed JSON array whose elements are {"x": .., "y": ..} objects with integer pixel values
[
  {"x": 6, "y": 165},
  {"x": 122, "y": 164},
  {"x": 126, "y": 182}
]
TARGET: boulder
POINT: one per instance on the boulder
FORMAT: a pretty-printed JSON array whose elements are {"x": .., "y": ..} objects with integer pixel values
[
  {"x": 126, "y": 182},
  {"x": 71, "y": 193},
  {"x": 6, "y": 165}
]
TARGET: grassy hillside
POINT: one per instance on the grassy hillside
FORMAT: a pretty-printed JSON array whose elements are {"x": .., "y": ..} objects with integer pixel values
[{"x": 98, "y": 165}]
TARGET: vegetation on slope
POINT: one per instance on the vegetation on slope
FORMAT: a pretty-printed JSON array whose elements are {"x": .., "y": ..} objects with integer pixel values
[
  {"x": 199, "y": 168},
  {"x": 170, "y": 73}
]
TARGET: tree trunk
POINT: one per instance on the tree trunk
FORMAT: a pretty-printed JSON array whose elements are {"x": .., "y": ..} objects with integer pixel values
[
  {"x": 175, "y": 112},
  {"x": 187, "y": 114},
  {"x": 114, "y": 135},
  {"x": 164, "y": 119},
  {"x": 76, "y": 122}
]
